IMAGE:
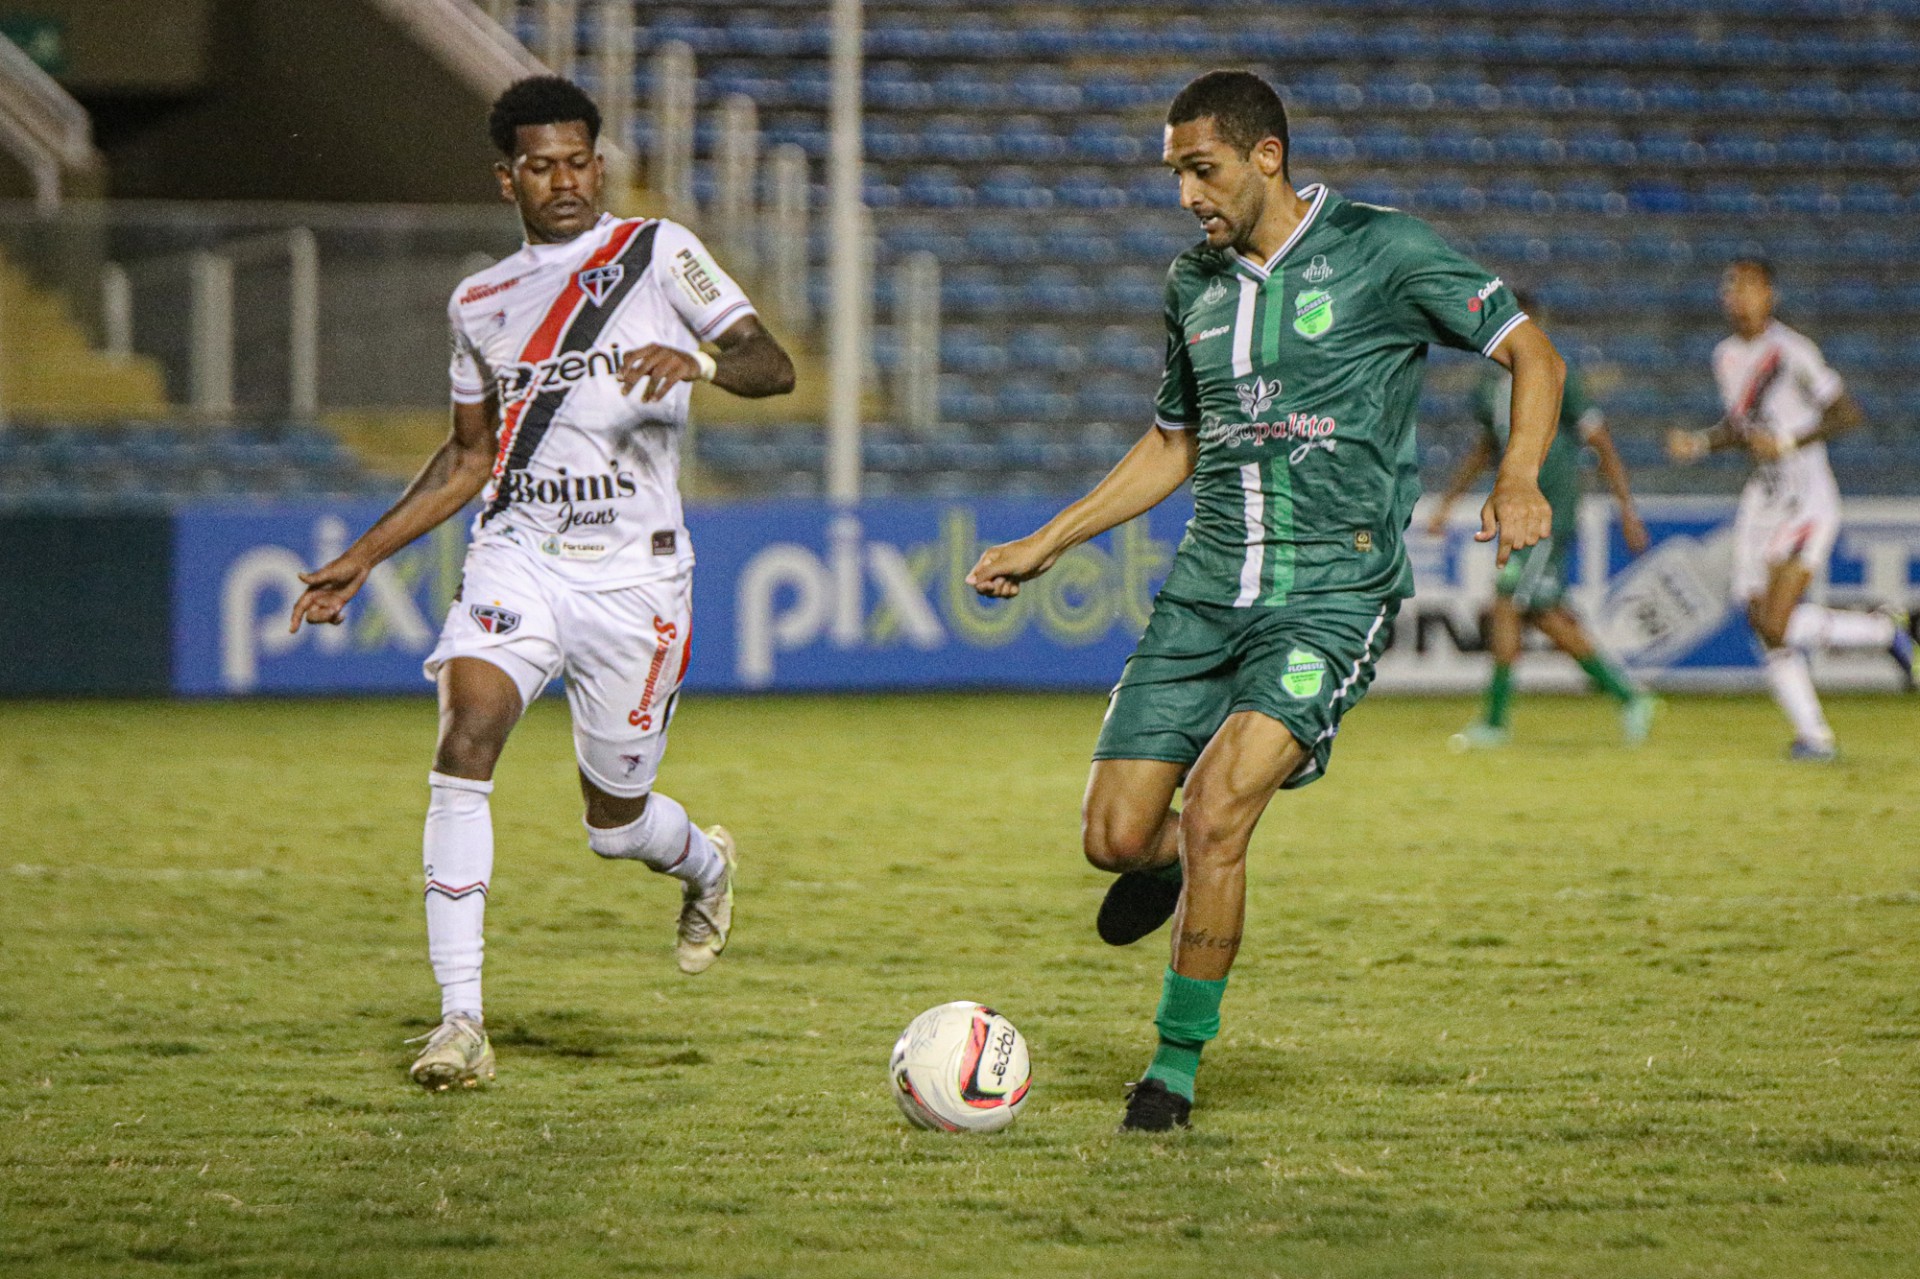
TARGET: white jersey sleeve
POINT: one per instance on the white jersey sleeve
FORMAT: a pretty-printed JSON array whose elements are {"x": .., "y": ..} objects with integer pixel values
[
  {"x": 467, "y": 372},
  {"x": 703, "y": 295},
  {"x": 1812, "y": 374}
]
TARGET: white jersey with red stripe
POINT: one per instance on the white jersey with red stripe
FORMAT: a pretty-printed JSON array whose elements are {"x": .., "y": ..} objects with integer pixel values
[
  {"x": 588, "y": 478},
  {"x": 1778, "y": 383}
]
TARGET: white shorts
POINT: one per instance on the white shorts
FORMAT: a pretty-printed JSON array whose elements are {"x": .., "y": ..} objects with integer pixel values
[
  {"x": 1780, "y": 524},
  {"x": 624, "y": 653}
]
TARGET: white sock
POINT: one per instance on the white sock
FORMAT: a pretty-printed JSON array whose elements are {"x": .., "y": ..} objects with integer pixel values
[
  {"x": 458, "y": 851},
  {"x": 1792, "y": 685},
  {"x": 1815, "y": 626},
  {"x": 665, "y": 840}
]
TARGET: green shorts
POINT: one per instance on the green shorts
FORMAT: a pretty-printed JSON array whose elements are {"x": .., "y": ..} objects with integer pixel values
[
  {"x": 1304, "y": 663},
  {"x": 1536, "y": 578}
]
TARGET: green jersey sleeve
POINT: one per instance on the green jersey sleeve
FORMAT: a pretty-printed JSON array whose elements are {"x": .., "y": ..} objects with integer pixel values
[
  {"x": 1446, "y": 298},
  {"x": 1177, "y": 407}
]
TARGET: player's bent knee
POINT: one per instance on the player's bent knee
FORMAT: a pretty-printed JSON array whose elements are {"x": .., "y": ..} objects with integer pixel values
[
  {"x": 1118, "y": 846},
  {"x": 470, "y": 748}
]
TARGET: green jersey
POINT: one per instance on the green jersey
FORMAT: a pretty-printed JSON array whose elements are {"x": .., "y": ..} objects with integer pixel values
[
  {"x": 1580, "y": 417},
  {"x": 1301, "y": 376}
]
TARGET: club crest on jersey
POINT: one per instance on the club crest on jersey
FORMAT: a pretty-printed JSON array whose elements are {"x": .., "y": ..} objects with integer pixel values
[
  {"x": 1258, "y": 396},
  {"x": 1216, "y": 292},
  {"x": 598, "y": 281},
  {"x": 495, "y": 620},
  {"x": 1313, "y": 313}
]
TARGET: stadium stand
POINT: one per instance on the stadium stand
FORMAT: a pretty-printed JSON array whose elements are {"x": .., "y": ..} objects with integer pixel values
[{"x": 1610, "y": 153}]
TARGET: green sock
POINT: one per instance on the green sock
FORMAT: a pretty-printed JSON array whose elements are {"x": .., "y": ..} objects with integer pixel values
[
  {"x": 1499, "y": 693},
  {"x": 1608, "y": 677},
  {"x": 1188, "y": 1017}
]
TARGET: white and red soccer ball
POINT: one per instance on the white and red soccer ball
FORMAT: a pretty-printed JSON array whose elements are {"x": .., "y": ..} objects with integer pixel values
[{"x": 961, "y": 1067}]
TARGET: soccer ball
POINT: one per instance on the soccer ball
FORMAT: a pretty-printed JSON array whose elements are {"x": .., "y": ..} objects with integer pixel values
[{"x": 961, "y": 1067}]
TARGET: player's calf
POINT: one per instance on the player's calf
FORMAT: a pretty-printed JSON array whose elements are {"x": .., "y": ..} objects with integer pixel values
[{"x": 664, "y": 839}]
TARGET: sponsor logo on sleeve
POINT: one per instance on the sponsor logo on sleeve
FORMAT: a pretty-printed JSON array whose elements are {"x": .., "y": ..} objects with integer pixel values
[
  {"x": 1479, "y": 300},
  {"x": 694, "y": 275}
]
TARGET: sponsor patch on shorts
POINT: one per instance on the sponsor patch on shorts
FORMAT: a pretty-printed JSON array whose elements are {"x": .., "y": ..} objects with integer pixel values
[{"x": 1306, "y": 672}]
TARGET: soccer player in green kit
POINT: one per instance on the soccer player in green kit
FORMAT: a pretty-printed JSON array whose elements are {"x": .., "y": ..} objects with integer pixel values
[
  {"x": 1531, "y": 589},
  {"x": 1296, "y": 343}
]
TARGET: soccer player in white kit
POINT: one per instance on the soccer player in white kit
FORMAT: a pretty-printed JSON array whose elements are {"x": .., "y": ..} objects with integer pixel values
[
  {"x": 1783, "y": 403},
  {"x": 572, "y": 367}
]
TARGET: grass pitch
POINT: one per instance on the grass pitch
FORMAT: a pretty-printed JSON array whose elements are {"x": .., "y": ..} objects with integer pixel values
[{"x": 1565, "y": 1010}]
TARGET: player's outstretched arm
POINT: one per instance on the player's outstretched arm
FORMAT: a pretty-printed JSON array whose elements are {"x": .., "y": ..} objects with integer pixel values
[
  {"x": 1469, "y": 470},
  {"x": 752, "y": 364},
  {"x": 1153, "y": 468},
  {"x": 1614, "y": 472},
  {"x": 1518, "y": 513},
  {"x": 452, "y": 477}
]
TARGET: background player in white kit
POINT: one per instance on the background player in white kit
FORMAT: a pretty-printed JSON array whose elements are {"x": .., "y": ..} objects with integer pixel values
[
  {"x": 1783, "y": 403},
  {"x": 571, "y": 373}
]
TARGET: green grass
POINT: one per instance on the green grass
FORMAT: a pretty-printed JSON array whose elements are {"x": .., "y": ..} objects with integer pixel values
[{"x": 1564, "y": 1011}]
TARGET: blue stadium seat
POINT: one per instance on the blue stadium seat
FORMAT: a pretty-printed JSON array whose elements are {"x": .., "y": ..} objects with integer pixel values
[
  {"x": 1013, "y": 187},
  {"x": 936, "y": 188}
]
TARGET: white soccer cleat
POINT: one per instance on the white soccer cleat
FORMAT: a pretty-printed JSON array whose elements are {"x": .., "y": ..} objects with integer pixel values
[
  {"x": 457, "y": 1052},
  {"x": 1479, "y": 736},
  {"x": 1636, "y": 718},
  {"x": 706, "y": 918}
]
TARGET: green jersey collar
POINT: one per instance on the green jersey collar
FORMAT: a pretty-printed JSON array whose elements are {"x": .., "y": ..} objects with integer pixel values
[{"x": 1317, "y": 191}]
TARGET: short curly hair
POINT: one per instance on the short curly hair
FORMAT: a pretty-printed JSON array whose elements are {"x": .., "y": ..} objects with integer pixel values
[
  {"x": 1244, "y": 108},
  {"x": 546, "y": 99}
]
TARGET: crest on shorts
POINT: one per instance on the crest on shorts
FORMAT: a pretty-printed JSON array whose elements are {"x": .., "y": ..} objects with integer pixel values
[
  {"x": 1305, "y": 673},
  {"x": 495, "y": 620},
  {"x": 598, "y": 281}
]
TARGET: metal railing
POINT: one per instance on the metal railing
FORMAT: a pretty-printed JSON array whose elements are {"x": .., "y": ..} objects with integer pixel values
[
  {"x": 265, "y": 310},
  {"x": 42, "y": 126}
]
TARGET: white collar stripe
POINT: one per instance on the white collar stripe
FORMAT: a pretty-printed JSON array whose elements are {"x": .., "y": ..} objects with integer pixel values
[
  {"x": 1263, "y": 270},
  {"x": 1243, "y": 328}
]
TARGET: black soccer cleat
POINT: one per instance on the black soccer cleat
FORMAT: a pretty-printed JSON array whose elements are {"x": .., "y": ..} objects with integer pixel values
[
  {"x": 1153, "y": 1107},
  {"x": 1138, "y": 903}
]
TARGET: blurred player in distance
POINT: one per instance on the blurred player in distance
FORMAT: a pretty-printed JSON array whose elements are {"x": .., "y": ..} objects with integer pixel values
[
  {"x": 1296, "y": 342},
  {"x": 573, "y": 363},
  {"x": 1531, "y": 590},
  {"x": 1783, "y": 403}
]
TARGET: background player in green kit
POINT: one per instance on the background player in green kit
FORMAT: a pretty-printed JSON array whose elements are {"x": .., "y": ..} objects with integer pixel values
[
  {"x": 1532, "y": 587},
  {"x": 1296, "y": 342}
]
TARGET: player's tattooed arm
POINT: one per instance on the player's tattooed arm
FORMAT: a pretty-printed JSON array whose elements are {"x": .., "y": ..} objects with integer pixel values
[
  {"x": 452, "y": 477},
  {"x": 1469, "y": 470},
  {"x": 1517, "y": 512},
  {"x": 1152, "y": 469},
  {"x": 752, "y": 364}
]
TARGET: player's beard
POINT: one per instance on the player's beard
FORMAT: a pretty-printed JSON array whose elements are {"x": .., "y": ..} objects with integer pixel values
[{"x": 1242, "y": 215}]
